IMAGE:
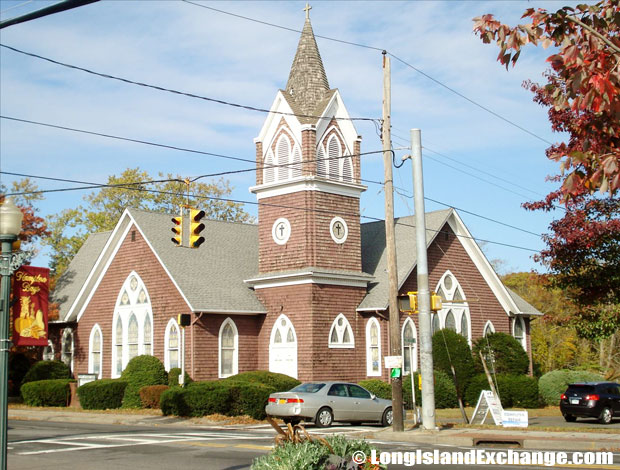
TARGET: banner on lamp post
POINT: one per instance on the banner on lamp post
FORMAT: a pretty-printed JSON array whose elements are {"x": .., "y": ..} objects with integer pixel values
[{"x": 30, "y": 308}]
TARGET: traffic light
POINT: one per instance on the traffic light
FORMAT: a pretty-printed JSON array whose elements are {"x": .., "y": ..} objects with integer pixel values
[
  {"x": 435, "y": 302},
  {"x": 184, "y": 319},
  {"x": 195, "y": 227},
  {"x": 413, "y": 302},
  {"x": 177, "y": 230}
]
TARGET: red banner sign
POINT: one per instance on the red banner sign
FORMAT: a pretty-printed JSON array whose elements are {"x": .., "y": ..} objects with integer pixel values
[{"x": 30, "y": 294}]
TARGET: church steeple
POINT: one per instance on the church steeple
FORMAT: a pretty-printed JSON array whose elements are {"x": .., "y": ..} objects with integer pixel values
[{"x": 307, "y": 82}]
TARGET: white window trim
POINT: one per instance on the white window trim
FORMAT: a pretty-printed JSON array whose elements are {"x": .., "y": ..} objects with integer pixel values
[
  {"x": 143, "y": 344},
  {"x": 369, "y": 371},
  {"x": 50, "y": 345},
  {"x": 414, "y": 364},
  {"x": 467, "y": 314},
  {"x": 340, "y": 344},
  {"x": 115, "y": 343},
  {"x": 172, "y": 323},
  {"x": 91, "y": 364},
  {"x": 235, "y": 364},
  {"x": 65, "y": 333},
  {"x": 488, "y": 324},
  {"x": 523, "y": 340},
  {"x": 273, "y": 348}
]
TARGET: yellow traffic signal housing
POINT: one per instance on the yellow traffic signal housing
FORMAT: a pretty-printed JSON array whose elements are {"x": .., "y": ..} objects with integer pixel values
[
  {"x": 195, "y": 227},
  {"x": 184, "y": 319},
  {"x": 177, "y": 230},
  {"x": 413, "y": 302},
  {"x": 435, "y": 302}
]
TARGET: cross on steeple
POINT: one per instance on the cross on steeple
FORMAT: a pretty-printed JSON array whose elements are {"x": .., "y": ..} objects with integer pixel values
[{"x": 307, "y": 10}]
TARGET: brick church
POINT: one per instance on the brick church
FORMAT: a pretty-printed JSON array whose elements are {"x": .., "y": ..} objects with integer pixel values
[{"x": 304, "y": 292}]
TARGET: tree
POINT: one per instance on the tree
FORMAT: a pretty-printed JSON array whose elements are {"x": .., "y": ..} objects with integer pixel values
[
  {"x": 137, "y": 189},
  {"x": 583, "y": 86}
]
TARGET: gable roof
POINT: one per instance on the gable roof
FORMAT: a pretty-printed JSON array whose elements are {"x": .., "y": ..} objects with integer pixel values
[
  {"x": 524, "y": 307},
  {"x": 71, "y": 281}
]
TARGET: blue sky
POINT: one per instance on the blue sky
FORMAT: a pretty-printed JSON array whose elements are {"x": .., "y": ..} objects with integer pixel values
[{"x": 185, "y": 47}]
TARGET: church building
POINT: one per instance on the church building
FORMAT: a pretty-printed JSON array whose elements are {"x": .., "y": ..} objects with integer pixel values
[{"x": 303, "y": 292}]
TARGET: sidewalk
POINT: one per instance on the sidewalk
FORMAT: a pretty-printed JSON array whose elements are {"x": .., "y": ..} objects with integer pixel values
[{"x": 500, "y": 437}]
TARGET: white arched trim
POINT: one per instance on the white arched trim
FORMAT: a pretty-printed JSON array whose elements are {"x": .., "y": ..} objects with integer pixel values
[
  {"x": 95, "y": 351},
  {"x": 373, "y": 348},
  {"x": 48, "y": 351},
  {"x": 341, "y": 333},
  {"x": 283, "y": 347},
  {"x": 520, "y": 336},
  {"x": 228, "y": 357},
  {"x": 66, "y": 348},
  {"x": 410, "y": 350},
  {"x": 338, "y": 169},
  {"x": 488, "y": 328},
  {"x": 172, "y": 347},
  {"x": 454, "y": 301}
]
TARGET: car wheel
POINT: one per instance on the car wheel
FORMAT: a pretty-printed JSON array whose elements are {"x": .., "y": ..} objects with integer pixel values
[
  {"x": 324, "y": 418},
  {"x": 570, "y": 418},
  {"x": 605, "y": 416},
  {"x": 387, "y": 417},
  {"x": 292, "y": 421}
]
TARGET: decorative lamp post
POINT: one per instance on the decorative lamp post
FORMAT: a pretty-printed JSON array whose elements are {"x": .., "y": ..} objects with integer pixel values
[{"x": 10, "y": 226}]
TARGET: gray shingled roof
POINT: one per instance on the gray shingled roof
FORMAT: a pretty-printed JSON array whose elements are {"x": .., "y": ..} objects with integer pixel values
[
  {"x": 374, "y": 255},
  {"x": 72, "y": 280},
  {"x": 211, "y": 277},
  {"x": 522, "y": 304}
]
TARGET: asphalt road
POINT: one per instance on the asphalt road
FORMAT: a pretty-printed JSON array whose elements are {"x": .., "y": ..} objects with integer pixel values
[{"x": 35, "y": 445}]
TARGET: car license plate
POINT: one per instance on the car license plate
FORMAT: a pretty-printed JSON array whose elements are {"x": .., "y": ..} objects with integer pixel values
[
  {"x": 574, "y": 401},
  {"x": 282, "y": 401}
]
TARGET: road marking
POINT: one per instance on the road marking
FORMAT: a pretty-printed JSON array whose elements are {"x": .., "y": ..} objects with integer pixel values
[{"x": 253, "y": 447}]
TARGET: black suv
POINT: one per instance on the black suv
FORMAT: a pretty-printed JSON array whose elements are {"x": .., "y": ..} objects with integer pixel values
[{"x": 591, "y": 400}]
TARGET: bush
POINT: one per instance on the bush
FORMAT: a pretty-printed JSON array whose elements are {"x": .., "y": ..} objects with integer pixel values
[
  {"x": 519, "y": 391},
  {"x": 458, "y": 354},
  {"x": 106, "y": 394},
  {"x": 380, "y": 388},
  {"x": 141, "y": 371},
  {"x": 54, "y": 392},
  {"x": 198, "y": 399},
  {"x": 248, "y": 399},
  {"x": 553, "y": 384},
  {"x": 47, "y": 370},
  {"x": 509, "y": 355},
  {"x": 313, "y": 455},
  {"x": 151, "y": 394},
  {"x": 173, "y": 377},
  {"x": 281, "y": 382},
  {"x": 19, "y": 365}
]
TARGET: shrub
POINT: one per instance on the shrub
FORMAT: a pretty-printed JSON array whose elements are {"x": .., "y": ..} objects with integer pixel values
[
  {"x": 141, "y": 371},
  {"x": 380, "y": 388},
  {"x": 457, "y": 354},
  {"x": 313, "y": 455},
  {"x": 151, "y": 394},
  {"x": 54, "y": 392},
  {"x": 248, "y": 399},
  {"x": 509, "y": 355},
  {"x": 103, "y": 394},
  {"x": 553, "y": 384},
  {"x": 47, "y": 370},
  {"x": 281, "y": 382},
  {"x": 514, "y": 390},
  {"x": 18, "y": 367},
  {"x": 198, "y": 399},
  {"x": 173, "y": 377}
]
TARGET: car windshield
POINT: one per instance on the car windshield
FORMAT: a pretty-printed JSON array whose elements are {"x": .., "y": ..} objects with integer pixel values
[{"x": 308, "y": 388}]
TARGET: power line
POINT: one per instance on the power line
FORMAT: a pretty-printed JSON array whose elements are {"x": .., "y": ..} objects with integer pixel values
[
  {"x": 177, "y": 92},
  {"x": 407, "y": 64}
]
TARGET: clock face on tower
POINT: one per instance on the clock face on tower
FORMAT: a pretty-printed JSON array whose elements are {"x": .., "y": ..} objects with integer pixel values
[
  {"x": 339, "y": 230},
  {"x": 281, "y": 231}
]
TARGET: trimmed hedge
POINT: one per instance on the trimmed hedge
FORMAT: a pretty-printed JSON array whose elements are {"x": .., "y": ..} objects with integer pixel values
[
  {"x": 553, "y": 384},
  {"x": 54, "y": 392},
  {"x": 19, "y": 365},
  {"x": 173, "y": 377},
  {"x": 509, "y": 355},
  {"x": 377, "y": 386},
  {"x": 151, "y": 394},
  {"x": 457, "y": 354},
  {"x": 520, "y": 391},
  {"x": 141, "y": 371},
  {"x": 249, "y": 399},
  {"x": 105, "y": 394},
  {"x": 281, "y": 382},
  {"x": 47, "y": 370}
]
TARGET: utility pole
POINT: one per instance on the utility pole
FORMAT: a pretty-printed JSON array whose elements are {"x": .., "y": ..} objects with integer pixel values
[
  {"x": 394, "y": 321},
  {"x": 424, "y": 297}
]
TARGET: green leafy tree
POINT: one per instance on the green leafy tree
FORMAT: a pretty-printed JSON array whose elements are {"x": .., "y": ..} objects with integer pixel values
[{"x": 135, "y": 188}]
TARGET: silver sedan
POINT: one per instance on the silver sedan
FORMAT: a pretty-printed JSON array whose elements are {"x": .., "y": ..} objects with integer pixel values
[{"x": 326, "y": 402}]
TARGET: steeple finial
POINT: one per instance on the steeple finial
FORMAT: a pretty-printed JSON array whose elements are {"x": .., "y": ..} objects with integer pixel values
[{"x": 307, "y": 10}]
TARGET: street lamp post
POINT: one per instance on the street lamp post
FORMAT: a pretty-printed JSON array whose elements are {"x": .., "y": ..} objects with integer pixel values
[{"x": 10, "y": 226}]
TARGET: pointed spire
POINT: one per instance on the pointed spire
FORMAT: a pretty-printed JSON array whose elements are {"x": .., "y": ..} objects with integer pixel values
[{"x": 307, "y": 83}]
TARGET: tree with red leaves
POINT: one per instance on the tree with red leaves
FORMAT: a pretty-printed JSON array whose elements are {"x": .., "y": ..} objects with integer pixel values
[{"x": 34, "y": 227}]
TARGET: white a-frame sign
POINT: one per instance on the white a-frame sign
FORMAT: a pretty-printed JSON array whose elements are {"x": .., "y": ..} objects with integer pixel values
[{"x": 487, "y": 401}]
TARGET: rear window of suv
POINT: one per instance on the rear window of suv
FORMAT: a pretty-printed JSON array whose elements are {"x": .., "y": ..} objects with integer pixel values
[{"x": 580, "y": 389}]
